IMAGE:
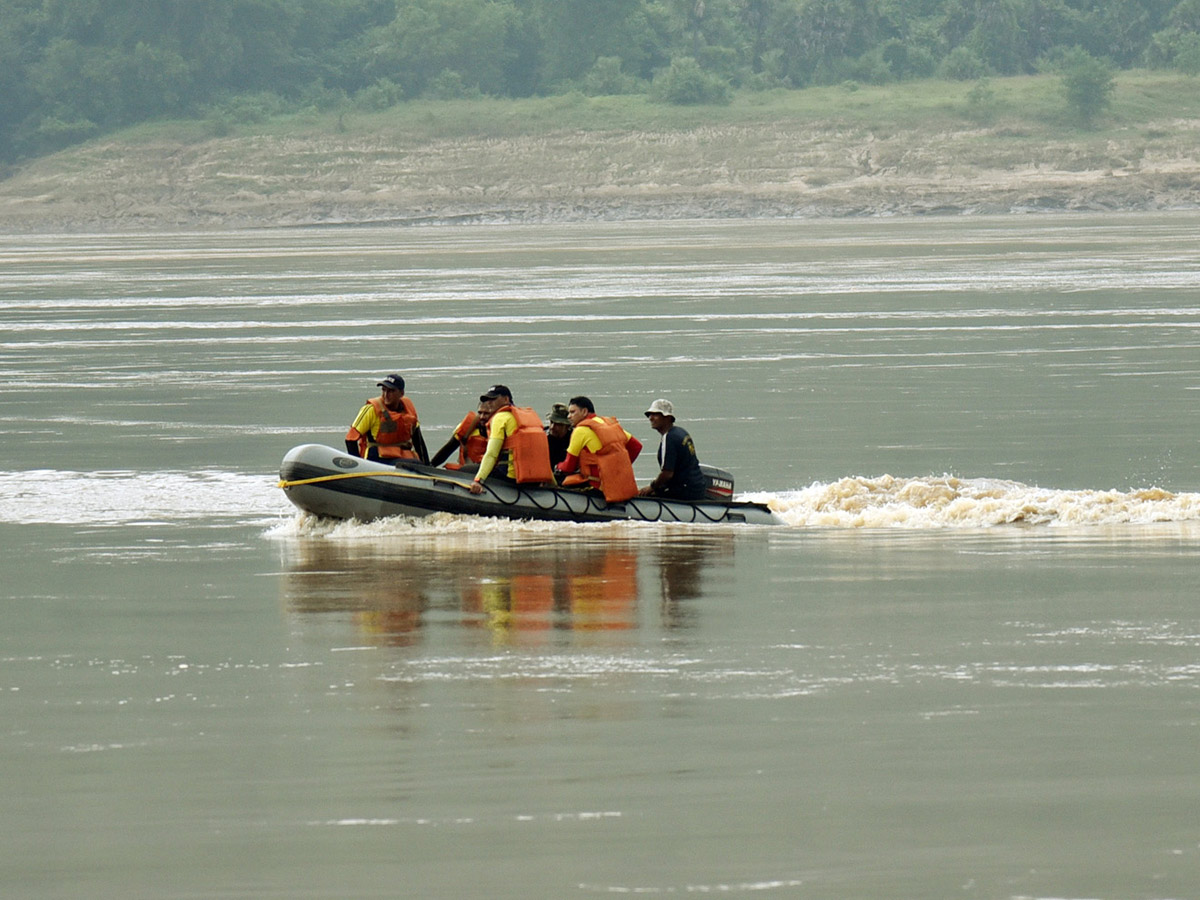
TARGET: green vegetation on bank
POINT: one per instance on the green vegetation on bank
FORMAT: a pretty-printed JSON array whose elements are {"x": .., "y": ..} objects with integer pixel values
[
  {"x": 917, "y": 147},
  {"x": 1001, "y": 109},
  {"x": 71, "y": 70}
]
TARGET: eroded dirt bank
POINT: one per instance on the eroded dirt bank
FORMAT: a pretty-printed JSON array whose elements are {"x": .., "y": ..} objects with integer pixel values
[{"x": 727, "y": 171}]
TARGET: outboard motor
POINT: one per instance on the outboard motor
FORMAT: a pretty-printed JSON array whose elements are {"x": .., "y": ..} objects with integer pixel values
[{"x": 718, "y": 484}]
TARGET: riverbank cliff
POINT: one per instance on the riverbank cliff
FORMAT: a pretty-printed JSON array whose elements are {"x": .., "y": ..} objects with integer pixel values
[{"x": 785, "y": 168}]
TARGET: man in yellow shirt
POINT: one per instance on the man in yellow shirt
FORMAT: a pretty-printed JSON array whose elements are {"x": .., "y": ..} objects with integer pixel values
[
  {"x": 601, "y": 450},
  {"x": 516, "y": 431},
  {"x": 386, "y": 428}
]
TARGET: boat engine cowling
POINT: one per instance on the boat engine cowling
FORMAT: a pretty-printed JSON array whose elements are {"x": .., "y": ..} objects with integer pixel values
[{"x": 718, "y": 484}]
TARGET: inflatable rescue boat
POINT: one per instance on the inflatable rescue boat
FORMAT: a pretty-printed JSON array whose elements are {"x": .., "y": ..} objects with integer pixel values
[{"x": 331, "y": 483}]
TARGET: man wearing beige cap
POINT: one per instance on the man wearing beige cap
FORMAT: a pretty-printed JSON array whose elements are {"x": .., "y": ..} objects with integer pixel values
[{"x": 679, "y": 477}]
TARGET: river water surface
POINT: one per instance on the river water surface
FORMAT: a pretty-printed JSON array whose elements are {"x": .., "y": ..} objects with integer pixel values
[{"x": 968, "y": 666}]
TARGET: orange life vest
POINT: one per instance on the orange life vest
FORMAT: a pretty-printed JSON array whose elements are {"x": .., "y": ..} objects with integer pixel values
[
  {"x": 609, "y": 467},
  {"x": 393, "y": 437},
  {"x": 472, "y": 441},
  {"x": 527, "y": 446}
]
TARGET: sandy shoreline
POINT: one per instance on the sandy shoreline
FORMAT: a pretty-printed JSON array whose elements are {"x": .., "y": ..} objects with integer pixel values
[{"x": 777, "y": 170}]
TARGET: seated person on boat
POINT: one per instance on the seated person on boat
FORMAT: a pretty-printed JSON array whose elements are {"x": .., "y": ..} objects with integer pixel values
[
  {"x": 558, "y": 433},
  {"x": 515, "y": 431},
  {"x": 386, "y": 429},
  {"x": 679, "y": 477},
  {"x": 601, "y": 453},
  {"x": 470, "y": 437}
]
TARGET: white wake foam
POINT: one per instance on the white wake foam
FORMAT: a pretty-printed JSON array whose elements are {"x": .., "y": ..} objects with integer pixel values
[
  {"x": 46, "y": 496},
  {"x": 53, "y": 497},
  {"x": 951, "y": 502}
]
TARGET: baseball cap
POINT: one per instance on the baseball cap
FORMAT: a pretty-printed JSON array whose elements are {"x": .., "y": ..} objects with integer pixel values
[{"x": 496, "y": 390}]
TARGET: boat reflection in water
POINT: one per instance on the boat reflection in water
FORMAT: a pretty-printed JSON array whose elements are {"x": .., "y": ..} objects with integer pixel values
[{"x": 518, "y": 588}]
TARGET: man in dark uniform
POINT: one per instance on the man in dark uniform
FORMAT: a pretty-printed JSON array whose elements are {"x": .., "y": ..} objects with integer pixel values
[
  {"x": 680, "y": 477},
  {"x": 558, "y": 433}
]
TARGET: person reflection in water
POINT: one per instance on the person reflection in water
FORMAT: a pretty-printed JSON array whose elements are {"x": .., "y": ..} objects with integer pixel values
[
  {"x": 531, "y": 595},
  {"x": 386, "y": 429},
  {"x": 532, "y": 598},
  {"x": 326, "y": 579}
]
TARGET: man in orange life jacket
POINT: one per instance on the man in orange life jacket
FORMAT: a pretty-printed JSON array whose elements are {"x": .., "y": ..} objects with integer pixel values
[
  {"x": 602, "y": 451},
  {"x": 386, "y": 428},
  {"x": 470, "y": 437},
  {"x": 516, "y": 431}
]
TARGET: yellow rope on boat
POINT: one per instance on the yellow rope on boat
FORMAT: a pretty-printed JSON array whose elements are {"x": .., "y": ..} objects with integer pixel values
[{"x": 341, "y": 475}]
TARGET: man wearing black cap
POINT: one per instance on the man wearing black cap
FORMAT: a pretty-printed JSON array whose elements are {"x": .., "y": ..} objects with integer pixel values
[
  {"x": 386, "y": 428},
  {"x": 517, "y": 431}
]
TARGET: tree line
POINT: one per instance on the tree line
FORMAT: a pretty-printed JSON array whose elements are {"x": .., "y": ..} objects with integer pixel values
[{"x": 71, "y": 69}]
